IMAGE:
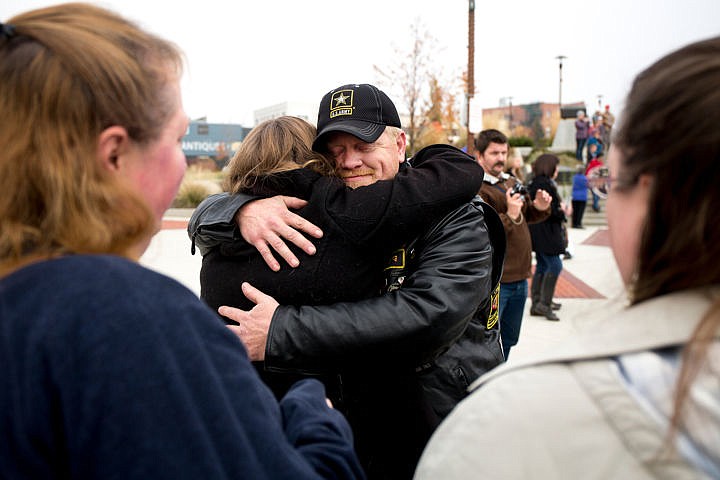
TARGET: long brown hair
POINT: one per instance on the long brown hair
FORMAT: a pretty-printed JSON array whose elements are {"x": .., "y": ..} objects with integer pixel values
[
  {"x": 670, "y": 131},
  {"x": 545, "y": 165},
  {"x": 69, "y": 72},
  {"x": 277, "y": 145}
]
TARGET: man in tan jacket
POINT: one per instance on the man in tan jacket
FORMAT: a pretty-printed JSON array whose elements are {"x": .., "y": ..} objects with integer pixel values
[{"x": 508, "y": 196}]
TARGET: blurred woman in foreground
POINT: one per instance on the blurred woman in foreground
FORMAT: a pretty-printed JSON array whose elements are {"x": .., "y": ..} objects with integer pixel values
[
  {"x": 110, "y": 370},
  {"x": 639, "y": 395}
]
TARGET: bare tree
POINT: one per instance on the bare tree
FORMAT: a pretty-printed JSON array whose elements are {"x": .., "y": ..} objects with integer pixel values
[
  {"x": 409, "y": 76},
  {"x": 423, "y": 89}
]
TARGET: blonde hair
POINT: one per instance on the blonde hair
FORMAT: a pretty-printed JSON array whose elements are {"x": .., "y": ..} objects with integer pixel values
[
  {"x": 274, "y": 146},
  {"x": 69, "y": 72},
  {"x": 392, "y": 132}
]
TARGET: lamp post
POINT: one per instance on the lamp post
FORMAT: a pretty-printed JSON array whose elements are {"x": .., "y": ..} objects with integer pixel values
[
  {"x": 560, "y": 59},
  {"x": 600, "y": 97},
  {"x": 471, "y": 71}
]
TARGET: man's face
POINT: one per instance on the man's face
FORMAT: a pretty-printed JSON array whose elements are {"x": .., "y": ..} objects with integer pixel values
[
  {"x": 494, "y": 158},
  {"x": 360, "y": 163}
]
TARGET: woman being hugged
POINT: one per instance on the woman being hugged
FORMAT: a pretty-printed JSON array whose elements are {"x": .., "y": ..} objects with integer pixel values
[
  {"x": 637, "y": 395},
  {"x": 110, "y": 370}
]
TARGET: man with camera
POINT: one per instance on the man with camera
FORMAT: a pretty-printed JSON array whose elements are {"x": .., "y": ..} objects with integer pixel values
[{"x": 511, "y": 200}]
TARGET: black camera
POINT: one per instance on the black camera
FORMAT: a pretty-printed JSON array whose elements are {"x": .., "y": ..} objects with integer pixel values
[{"x": 518, "y": 188}]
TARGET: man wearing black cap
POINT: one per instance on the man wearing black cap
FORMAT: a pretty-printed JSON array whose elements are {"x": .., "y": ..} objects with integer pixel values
[{"x": 415, "y": 349}]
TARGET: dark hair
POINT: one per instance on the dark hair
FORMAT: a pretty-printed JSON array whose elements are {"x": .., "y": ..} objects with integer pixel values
[
  {"x": 681, "y": 240},
  {"x": 545, "y": 165},
  {"x": 670, "y": 125},
  {"x": 486, "y": 137}
]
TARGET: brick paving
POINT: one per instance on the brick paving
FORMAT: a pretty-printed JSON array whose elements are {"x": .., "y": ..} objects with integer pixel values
[
  {"x": 569, "y": 286},
  {"x": 171, "y": 224},
  {"x": 600, "y": 238}
]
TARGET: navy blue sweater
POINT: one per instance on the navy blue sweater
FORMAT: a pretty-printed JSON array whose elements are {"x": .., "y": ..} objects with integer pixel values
[{"x": 109, "y": 370}]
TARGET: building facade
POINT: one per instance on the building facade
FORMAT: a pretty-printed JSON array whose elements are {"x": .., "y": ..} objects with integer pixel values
[
  {"x": 212, "y": 143},
  {"x": 539, "y": 121}
]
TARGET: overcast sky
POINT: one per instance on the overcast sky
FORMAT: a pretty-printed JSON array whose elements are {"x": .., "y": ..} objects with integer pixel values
[{"x": 246, "y": 55}]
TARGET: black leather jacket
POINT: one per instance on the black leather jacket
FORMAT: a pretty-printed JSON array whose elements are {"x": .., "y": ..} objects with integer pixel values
[
  {"x": 424, "y": 342},
  {"x": 442, "y": 316}
]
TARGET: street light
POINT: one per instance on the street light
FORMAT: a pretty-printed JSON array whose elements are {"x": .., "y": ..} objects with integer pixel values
[
  {"x": 600, "y": 97},
  {"x": 560, "y": 59}
]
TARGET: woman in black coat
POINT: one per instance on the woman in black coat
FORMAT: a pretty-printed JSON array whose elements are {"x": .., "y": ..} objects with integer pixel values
[{"x": 548, "y": 241}]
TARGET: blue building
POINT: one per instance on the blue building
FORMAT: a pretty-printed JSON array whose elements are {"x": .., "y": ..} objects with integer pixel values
[{"x": 214, "y": 141}]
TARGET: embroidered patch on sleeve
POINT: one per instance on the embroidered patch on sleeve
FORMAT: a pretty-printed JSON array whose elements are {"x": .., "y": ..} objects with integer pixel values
[{"x": 494, "y": 307}]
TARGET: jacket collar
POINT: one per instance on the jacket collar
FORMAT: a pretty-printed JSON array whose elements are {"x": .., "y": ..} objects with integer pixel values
[
  {"x": 492, "y": 179},
  {"x": 664, "y": 321}
]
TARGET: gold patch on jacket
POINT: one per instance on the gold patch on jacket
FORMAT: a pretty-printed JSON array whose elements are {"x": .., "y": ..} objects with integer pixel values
[
  {"x": 494, "y": 307},
  {"x": 395, "y": 271},
  {"x": 397, "y": 259}
]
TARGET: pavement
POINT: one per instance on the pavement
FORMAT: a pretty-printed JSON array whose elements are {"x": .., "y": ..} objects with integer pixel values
[{"x": 588, "y": 288}]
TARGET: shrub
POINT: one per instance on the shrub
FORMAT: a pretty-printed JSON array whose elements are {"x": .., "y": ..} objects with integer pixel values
[
  {"x": 197, "y": 184},
  {"x": 520, "y": 142},
  {"x": 190, "y": 194}
]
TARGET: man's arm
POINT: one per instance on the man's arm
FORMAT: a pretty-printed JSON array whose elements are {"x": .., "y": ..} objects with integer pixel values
[
  {"x": 263, "y": 223},
  {"x": 404, "y": 328}
]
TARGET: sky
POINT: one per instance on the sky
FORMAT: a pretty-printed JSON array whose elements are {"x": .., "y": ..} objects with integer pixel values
[{"x": 243, "y": 56}]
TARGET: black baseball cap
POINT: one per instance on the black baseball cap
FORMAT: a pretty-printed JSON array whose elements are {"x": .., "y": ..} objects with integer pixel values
[{"x": 361, "y": 110}]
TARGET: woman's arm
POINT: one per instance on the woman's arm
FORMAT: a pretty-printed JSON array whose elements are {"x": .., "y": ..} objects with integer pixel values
[{"x": 442, "y": 178}]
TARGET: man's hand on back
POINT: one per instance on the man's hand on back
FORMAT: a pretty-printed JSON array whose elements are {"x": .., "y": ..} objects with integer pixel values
[
  {"x": 264, "y": 223},
  {"x": 255, "y": 323}
]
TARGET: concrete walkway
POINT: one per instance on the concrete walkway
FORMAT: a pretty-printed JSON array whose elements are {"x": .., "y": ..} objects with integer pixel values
[{"x": 589, "y": 287}]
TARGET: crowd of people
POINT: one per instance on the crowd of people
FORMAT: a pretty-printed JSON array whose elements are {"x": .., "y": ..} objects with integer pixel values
[
  {"x": 593, "y": 136},
  {"x": 377, "y": 346}
]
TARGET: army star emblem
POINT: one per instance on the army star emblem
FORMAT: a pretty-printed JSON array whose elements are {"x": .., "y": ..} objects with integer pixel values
[{"x": 341, "y": 99}]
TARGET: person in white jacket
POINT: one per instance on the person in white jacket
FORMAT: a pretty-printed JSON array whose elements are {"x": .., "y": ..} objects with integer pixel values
[{"x": 638, "y": 396}]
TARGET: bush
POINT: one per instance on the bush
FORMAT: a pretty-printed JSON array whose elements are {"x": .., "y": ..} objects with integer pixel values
[
  {"x": 197, "y": 184},
  {"x": 520, "y": 142},
  {"x": 190, "y": 194}
]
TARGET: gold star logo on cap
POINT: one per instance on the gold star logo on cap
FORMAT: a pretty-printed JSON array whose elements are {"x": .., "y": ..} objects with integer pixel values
[
  {"x": 341, "y": 99},
  {"x": 341, "y": 103}
]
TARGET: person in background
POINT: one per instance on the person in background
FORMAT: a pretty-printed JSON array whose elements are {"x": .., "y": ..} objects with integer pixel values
[
  {"x": 637, "y": 394},
  {"x": 595, "y": 175},
  {"x": 512, "y": 202},
  {"x": 595, "y": 145},
  {"x": 608, "y": 121},
  {"x": 110, "y": 370},
  {"x": 579, "y": 197},
  {"x": 548, "y": 241},
  {"x": 582, "y": 127},
  {"x": 516, "y": 166}
]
